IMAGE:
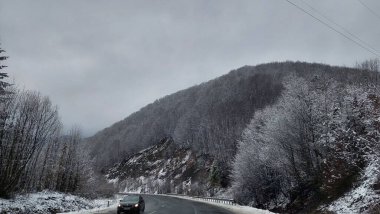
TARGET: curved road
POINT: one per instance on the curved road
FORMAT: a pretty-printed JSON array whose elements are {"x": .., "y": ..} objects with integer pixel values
[{"x": 155, "y": 204}]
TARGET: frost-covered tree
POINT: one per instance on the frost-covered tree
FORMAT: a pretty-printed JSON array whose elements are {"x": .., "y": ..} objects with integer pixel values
[
  {"x": 370, "y": 65},
  {"x": 29, "y": 124},
  {"x": 316, "y": 137}
]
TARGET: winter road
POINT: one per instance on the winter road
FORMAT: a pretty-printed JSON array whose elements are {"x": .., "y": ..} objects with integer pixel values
[{"x": 155, "y": 204}]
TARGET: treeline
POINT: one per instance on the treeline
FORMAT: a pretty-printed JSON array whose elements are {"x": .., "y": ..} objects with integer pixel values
[
  {"x": 311, "y": 145},
  {"x": 34, "y": 153}
]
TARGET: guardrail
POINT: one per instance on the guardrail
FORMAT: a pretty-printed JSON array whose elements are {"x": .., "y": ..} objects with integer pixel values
[
  {"x": 210, "y": 199},
  {"x": 216, "y": 200}
]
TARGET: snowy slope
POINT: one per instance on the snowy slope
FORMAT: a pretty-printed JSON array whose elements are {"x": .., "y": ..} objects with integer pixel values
[
  {"x": 162, "y": 168},
  {"x": 361, "y": 198}
]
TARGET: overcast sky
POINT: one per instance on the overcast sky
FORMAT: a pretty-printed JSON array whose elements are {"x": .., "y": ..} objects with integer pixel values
[{"x": 99, "y": 61}]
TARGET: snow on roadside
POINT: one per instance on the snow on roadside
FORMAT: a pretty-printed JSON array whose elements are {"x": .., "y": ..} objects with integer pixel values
[
  {"x": 359, "y": 199},
  {"x": 112, "y": 207},
  {"x": 48, "y": 202},
  {"x": 101, "y": 209}
]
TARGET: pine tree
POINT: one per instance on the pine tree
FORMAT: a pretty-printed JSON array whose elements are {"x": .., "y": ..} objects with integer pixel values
[
  {"x": 3, "y": 75},
  {"x": 3, "y": 86}
]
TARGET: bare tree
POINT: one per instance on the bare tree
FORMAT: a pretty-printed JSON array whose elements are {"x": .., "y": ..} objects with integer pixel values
[
  {"x": 372, "y": 65},
  {"x": 30, "y": 122}
]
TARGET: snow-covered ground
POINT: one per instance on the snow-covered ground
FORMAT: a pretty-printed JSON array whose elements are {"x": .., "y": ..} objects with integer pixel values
[
  {"x": 113, "y": 207},
  {"x": 50, "y": 202},
  {"x": 362, "y": 197}
]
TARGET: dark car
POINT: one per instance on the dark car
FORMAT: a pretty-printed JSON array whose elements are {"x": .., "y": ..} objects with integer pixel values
[{"x": 131, "y": 204}]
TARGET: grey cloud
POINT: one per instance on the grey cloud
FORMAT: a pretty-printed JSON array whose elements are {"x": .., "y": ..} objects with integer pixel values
[{"x": 102, "y": 60}]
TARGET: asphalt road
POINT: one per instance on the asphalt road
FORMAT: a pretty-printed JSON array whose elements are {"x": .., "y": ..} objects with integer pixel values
[{"x": 155, "y": 204}]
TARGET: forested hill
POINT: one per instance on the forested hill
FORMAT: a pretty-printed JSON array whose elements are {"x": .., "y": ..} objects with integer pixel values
[{"x": 210, "y": 117}]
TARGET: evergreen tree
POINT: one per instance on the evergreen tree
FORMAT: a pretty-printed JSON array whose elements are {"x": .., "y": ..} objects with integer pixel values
[{"x": 3, "y": 75}]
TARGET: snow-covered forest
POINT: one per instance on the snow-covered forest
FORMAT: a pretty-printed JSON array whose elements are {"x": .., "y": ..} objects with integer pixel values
[
  {"x": 35, "y": 153},
  {"x": 311, "y": 146}
]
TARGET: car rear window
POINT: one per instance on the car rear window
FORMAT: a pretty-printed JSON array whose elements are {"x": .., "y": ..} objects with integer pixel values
[{"x": 131, "y": 198}]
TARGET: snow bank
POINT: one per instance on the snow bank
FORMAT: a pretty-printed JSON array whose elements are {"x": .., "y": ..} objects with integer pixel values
[{"x": 49, "y": 202}]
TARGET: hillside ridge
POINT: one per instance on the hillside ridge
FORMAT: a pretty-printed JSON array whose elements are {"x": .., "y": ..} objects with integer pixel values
[{"x": 199, "y": 116}]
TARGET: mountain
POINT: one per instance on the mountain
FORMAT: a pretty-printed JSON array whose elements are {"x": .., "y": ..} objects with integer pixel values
[
  {"x": 208, "y": 118},
  {"x": 264, "y": 127}
]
